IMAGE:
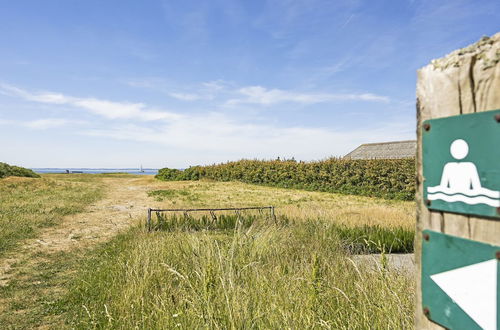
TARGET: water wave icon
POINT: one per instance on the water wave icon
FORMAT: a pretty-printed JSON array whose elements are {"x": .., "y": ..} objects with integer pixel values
[
  {"x": 459, "y": 197},
  {"x": 460, "y": 181}
]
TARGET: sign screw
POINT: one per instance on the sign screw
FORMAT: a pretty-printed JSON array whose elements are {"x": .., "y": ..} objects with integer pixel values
[
  {"x": 497, "y": 255},
  {"x": 426, "y": 237},
  {"x": 427, "y": 126},
  {"x": 428, "y": 202},
  {"x": 497, "y": 118},
  {"x": 427, "y": 312}
]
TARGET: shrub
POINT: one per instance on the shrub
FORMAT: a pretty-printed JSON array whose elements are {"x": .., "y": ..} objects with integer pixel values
[
  {"x": 386, "y": 178},
  {"x": 9, "y": 170}
]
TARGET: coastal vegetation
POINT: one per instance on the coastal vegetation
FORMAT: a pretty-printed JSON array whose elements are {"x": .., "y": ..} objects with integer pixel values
[
  {"x": 385, "y": 178},
  {"x": 247, "y": 270},
  {"x": 10, "y": 170}
]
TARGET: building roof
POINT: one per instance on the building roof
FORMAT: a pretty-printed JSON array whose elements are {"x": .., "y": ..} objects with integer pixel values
[{"x": 385, "y": 150}]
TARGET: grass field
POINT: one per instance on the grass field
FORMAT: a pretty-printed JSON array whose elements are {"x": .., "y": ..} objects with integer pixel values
[
  {"x": 294, "y": 273},
  {"x": 27, "y": 205}
]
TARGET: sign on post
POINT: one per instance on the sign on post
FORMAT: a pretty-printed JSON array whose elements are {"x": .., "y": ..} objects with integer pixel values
[
  {"x": 460, "y": 282},
  {"x": 461, "y": 164}
]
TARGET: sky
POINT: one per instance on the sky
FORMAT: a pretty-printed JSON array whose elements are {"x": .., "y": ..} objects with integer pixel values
[{"x": 164, "y": 83}]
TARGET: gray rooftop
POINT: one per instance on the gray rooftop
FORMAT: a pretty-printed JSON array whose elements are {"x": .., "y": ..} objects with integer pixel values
[{"x": 385, "y": 150}]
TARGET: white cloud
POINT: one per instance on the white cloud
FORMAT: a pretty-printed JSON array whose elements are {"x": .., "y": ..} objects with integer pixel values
[
  {"x": 203, "y": 91},
  {"x": 50, "y": 123},
  {"x": 220, "y": 89},
  {"x": 212, "y": 136},
  {"x": 44, "y": 123},
  {"x": 263, "y": 96},
  {"x": 104, "y": 108},
  {"x": 186, "y": 96},
  {"x": 217, "y": 134}
]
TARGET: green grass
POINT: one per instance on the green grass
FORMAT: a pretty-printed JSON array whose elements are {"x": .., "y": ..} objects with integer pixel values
[
  {"x": 357, "y": 240},
  {"x": 165, "y": 194},
  {"x": 26, "y": 205},
  {"x": 265, "y": 276},
  {"x": 204, "y": 222},
  {"x": 34, "y": 298},
  {"x": 375, "y": 239}
]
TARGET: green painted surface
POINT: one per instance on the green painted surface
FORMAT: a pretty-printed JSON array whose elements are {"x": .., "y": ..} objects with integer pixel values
[
  {"x": 441, "y": 253},
  {"x": 481, "y": 132}
]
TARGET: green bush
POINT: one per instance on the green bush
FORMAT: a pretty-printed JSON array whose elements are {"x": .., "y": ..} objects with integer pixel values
[
  {"x": 9, "y": 170},
  {"x": 169, "y": 174},
  {"x": 386, "y": 178}
]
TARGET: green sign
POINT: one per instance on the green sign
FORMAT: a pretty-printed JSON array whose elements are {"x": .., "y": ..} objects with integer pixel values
[
  {"x": 461, "y": 163},
  {"x": 459, "y": 282}
]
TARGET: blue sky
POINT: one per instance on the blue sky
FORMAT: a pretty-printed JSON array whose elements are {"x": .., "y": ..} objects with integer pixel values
[{"x": 178, "y": 83}]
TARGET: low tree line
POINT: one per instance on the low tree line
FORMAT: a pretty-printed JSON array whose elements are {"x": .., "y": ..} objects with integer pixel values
[{"x": 386, "y": 178}]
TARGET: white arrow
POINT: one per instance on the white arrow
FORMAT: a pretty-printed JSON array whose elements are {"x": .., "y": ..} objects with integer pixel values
[{"x": 474, "y": 289}]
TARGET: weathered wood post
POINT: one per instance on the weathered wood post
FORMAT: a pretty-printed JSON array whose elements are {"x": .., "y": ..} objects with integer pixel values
[
  {"x": 149, "y": 220},
  {"x": 464, "y": 82}
]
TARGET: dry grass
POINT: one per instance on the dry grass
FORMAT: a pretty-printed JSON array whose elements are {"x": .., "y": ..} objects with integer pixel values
[{"x": 294, "y": 204}]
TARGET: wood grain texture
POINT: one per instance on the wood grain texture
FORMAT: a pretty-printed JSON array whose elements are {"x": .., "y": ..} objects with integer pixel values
[{"x": 465, "y": 81}]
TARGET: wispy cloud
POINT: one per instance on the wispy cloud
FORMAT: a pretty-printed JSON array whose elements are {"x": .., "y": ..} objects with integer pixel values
[
  {"x": 186, "y": 96},
  {"x": 42, "y": 124},
  {"x": 230, "y": 139},
  {"x": 226, "y": 93},
  {"x": 218, "y": 136},
  {"x": 50, "y": 123},
  {"x": 203, "y": 91},
  {"x": 263, "y": 96},
  {"x": 104, "y": 108}
]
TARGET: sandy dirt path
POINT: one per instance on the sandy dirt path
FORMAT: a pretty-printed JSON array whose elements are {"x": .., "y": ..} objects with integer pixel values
[{"x": 125, "y": 202}]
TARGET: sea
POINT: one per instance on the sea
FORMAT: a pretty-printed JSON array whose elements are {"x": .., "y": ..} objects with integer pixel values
[{"x": 145, "y": 171}]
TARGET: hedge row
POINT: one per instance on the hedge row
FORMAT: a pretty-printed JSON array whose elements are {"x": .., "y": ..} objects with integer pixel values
[
  {"x": 388, "y": 178},
  {"x": 9, "y": 170}
]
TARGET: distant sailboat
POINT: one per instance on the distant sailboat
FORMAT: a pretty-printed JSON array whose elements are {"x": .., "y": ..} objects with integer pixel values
[{"x": 141, "y": 170}]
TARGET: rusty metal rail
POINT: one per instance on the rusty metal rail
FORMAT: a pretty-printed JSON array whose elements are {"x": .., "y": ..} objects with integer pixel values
[{"x": 211, "y": 210}]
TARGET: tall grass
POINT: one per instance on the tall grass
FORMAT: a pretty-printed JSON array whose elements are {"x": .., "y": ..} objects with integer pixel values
[
  {"x": 355, "y": 239},
  {"x": 265, "y": 276},
  {"x": 204, "y": 222}
]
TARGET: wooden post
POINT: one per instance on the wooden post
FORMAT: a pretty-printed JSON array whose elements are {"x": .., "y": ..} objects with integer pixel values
[
  {"x": 149, "y": 219},
  {"x": 465, "y": 81}
]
